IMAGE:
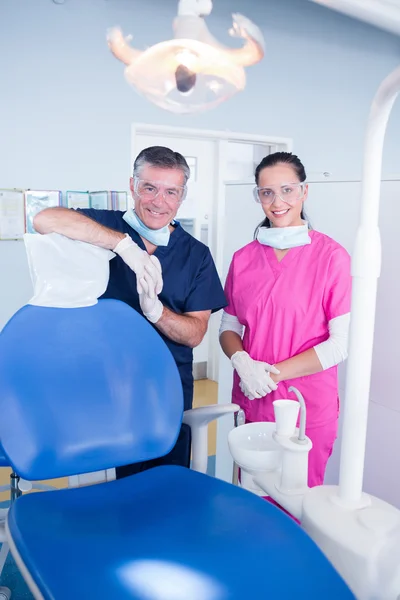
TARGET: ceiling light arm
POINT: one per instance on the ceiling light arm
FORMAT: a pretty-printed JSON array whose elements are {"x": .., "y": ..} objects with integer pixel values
[
  {"x": 253, "y": 50},
  {"x": 191, "y": 26},
  {"x": 194, "y": 8},
  {"x": 120, "y": 48}
]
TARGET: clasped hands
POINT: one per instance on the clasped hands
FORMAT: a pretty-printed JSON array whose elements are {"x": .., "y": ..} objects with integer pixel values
[{"x": 255, "y": 378}]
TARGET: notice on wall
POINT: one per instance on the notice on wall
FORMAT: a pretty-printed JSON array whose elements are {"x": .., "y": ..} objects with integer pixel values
[
  {"x": 100, "y": 200},
  {"x": 36, "y": 201},
  {"x": 78, "y": 199},
  {"x": 12, "y": 214}
]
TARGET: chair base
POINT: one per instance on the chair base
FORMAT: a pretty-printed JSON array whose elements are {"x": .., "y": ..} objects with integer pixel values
[
  {"x": 16, "y": 487},
  {"x": 3, "y": 556},
  {"x": 5, "y": 593}
]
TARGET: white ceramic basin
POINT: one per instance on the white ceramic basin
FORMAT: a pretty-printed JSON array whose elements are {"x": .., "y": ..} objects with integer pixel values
[{"x": 253, "y": 448}]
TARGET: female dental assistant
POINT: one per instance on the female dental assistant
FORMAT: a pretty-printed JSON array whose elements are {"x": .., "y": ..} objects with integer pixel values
[{"x": 289, "y": 290}]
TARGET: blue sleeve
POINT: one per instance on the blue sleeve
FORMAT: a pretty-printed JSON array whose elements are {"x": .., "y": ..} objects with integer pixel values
[
  {"x": 108, "y": 218},
  {"x": 206, "y": 292}
]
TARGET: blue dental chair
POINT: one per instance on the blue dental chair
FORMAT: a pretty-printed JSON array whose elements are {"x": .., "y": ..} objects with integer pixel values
[{"x": 94, "y": 388}]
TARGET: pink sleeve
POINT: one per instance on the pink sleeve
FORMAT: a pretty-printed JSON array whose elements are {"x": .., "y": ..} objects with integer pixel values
[
  {"x": 337, "y": 295},
  {"x": 230, "y": 309}
]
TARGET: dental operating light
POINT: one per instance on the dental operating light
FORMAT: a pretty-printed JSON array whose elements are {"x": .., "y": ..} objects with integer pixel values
[{"x": 192, "y": 72}]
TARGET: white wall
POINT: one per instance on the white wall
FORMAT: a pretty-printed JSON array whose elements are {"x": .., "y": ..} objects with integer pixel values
[
  {"x": 15, "y": 283},
  {"x": 66, "y": 111}
]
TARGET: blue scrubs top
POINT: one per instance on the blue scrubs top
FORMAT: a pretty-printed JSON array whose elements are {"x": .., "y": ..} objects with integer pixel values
[{"x": 191, "y": 283}]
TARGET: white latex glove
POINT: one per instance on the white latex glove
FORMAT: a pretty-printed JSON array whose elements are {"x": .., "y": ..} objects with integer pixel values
[
  {"x": 141, "y": 264},
  {"x": 151, "y": 306},
  {"x": 255, "y": 381}
]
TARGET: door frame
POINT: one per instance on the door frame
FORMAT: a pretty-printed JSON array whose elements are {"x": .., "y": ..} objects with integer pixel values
[
  {"x": 216, "y": 230},
  {"x": 188, "y": 132},
  {"x": 221, "y": 139}
]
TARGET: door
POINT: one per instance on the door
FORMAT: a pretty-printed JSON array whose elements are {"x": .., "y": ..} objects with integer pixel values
[
  {"x": 195, "y": 213},
  {"x": 241, "y": 217}
]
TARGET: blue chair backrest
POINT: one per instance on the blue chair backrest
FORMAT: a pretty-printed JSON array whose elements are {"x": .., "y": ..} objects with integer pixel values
[
  {"x": 4, "y": 462},
  {"x": 85, "y": 389}
]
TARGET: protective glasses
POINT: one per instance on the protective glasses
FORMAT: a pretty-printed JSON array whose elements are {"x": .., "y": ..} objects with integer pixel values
[
  {"x": 288, "y": 192},
  {"x": 150, "y": 190}
]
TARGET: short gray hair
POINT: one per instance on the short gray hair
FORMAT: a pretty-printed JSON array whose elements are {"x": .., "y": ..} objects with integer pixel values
[{"x": 160, "y": 156}]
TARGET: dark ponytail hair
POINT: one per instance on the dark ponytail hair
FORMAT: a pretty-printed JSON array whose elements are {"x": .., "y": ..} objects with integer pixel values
[{"x": 279, "y": 158}]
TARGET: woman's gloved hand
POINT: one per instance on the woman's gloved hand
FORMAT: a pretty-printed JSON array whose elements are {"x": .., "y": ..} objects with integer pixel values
[
  {"x": 255, "y": 379},
  {"x": 149, "y": 288}
]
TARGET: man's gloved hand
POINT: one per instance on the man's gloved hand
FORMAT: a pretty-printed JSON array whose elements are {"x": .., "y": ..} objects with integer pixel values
[
  {"x": 255, "y": 381},
  {"x": 150, "y": 304},
  {"x": 141, "y": 264}
]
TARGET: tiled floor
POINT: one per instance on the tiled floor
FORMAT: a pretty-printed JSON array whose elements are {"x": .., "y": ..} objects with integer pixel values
[{"x": 205, "y": 393}]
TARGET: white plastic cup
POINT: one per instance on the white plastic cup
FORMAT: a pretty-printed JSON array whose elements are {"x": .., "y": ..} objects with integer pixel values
[{"x": 286, "y": 415}]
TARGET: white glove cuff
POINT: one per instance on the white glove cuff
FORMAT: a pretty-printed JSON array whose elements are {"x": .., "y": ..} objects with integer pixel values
[
  {"x": 155, "y": 315},
  {"x": 238, "y": 358},
  {"x": 124, "y": 244}
]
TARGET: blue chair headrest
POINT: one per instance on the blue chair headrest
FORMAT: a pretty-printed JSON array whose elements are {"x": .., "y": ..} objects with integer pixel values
[{"x": 85, "y": 389}]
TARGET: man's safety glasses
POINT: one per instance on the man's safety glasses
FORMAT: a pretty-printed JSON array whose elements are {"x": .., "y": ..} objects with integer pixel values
[{"x": 150, "y": 190}]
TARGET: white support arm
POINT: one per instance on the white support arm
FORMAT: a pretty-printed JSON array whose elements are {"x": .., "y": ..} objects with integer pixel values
[
  {"x": 268, "y": 482},
  {"x": 366, "y": 266},
  {"x": 198, "y": 420}
]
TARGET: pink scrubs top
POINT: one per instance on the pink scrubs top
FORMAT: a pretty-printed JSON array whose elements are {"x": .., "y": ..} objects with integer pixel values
[{"x": 285, "y": 308}]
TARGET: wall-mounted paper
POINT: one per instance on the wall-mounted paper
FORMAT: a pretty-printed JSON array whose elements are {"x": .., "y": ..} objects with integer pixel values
[
  {"x": 12, "y": 214},
  {"x": 100, "y": 200},
  {"x": 38, "y": 200},
  {"x": 119, "y": 201},
  {"x": 77, "y": 199},
  {"x": 122, "y": 201}
]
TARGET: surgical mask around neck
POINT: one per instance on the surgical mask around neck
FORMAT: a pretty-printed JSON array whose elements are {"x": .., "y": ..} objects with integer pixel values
[
  {"x": 158, "y": 237},
  {"x": 284, "y": 238}
]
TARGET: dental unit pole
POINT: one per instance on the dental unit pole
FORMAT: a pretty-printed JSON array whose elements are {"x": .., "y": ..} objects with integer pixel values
[{"x": 366, "y": 268}]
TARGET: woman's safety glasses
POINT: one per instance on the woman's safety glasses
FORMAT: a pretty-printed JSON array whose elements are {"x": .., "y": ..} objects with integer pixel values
[
  {"x": 287, "y": 192},
  {"x": 150, "y": 190}
]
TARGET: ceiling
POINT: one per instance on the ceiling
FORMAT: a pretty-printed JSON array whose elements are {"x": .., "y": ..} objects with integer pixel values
[{"x": 384, "y": 14}]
